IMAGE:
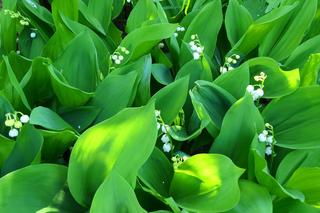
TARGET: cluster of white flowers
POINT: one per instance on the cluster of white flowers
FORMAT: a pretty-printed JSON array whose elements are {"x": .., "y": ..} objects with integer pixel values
[
  {"x": 178, "y": 159},
  {"x": 229, "y": 63},
  {"x": 15, "y": 122},
  {"x": 117, "y": 57},
  {"x": 179, "y": 29},
  {"x": 257, "y": 93},
  {"x": 17, "y": 15},
  {"x": 196, "y": 47},
  {"x": 165, "y": 138},
  {"x": 267, "y": 136}
]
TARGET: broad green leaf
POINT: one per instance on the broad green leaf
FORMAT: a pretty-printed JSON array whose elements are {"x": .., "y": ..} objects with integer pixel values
[
  {"x": 48, "y": 119},
  {"x": 202, "y": 182},
  {"x": 67, "y": 95},
  {"x": 170, "y": 99},
  {"x": 80, "y": 118},
  {"x": 38, "y": 88},
  {"x": 240, "y": 124},
  {"x": 69, "y": 9},
  {"x": 259, "y": 29},
  {"x": 102, "y": 10},
  {"x": 211, "y": 103},
  {"x": 162, "y": 74},
  {"x": 142, "y": 40},
  {"x": 159, "y": 179},
  {"x": 8, "y": 31},
  {"x": 295, "y": 126},
  {"x": 40, "y": 186},
  {"x": 293, "y": 206},
  {"x": 56, "y": 143},
  {"x": 253, "y": 198},
  {"x": 111, "y": 100},
  {"x": 235, "y": 81},
  {"x": 144, "y": 91},
  {"x": 206, "y": 24},
  {"x": 196, "y": 70},
  {"x": 15, "y": 83},
  {"x": 115, "y": 195},
  {"x": 306, "y": 181},
  {"x": 82, "y": 75},
  {"x": 25, "y": 150},
  {"x": 6, "y": 146},
  {"x": 122, "y": 143},
  {"x": 258, "y": 166},
  {"x": 237, "y": 21},
  {"x": 256, "y": 7},
  {"x": 143, "y": 11},
  {"x": 310, "y": 71},
  {"x": 278, "y": 83},
  {"x": 301, "y": 54},
  {"x": 295, "y": 160},
  {"x": 288, "y": 35}
]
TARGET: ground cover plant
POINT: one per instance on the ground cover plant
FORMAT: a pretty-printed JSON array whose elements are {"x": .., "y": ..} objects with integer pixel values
[{"x": 160, "y": 106}]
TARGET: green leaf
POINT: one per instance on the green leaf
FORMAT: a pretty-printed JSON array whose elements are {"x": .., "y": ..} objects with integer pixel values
[
  {"x": 202, "y": 182},
  {"x": 111, "y": 100},
  {"x": 142, "y": 40},
  {"x": 301, "y": 54},
  {"x": 310, "y": 71},
  {"x": 306, "y": 181},
  {"x": 55, "y": 144},
  {"x": 115, "y": 195},
  {"x": 15, "y": 82},
  {"x": 162, "y": 74},
  {"x": 69, "y": 9},
  {"x": 278, "y": 83},
  {"x": 240, "y": 124},
  {"x": 258, "y": 165},
  {"x": 159, "y": 179},
  {"x": 40, "y": 186},
  {"x": 237, "y": 21},
  {"x": 293, "y": 206},
  {"x": 67, "y": 95},
  {"x": 80, "y": 118},
  {"x": 170, "y": 99},
  {"x": 48, "y": 119},
  {"x": 294, "y": 128},
  {"x": 295, "y": 160},
  {"x": 236, "y": 81},
  {"x": 259, "y": 29},
  {"x": 6, "y": 147},
  {"x": 144, "y": 11},
  {"x": 211, "y": 103},
  {"x": 206, "y": 24},
  {"x": 25, "y": 150},
  {"x": 253, "y": 198},
  {"x": 286, "y": 36},
  {"x": 122, "y": 143},
  {"x": 82, "y": 75},
  {"x": 102, "y": 10}
]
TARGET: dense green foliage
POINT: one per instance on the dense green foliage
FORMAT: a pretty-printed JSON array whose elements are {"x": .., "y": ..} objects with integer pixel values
[{"x": 160, "y": 106}]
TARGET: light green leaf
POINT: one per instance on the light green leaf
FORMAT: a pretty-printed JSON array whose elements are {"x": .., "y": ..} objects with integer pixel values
[
  {"x": 48, "y": 119},
  {"x": 202, "y": 182},
  {"x": 122, "y": 143},
  {"x": 240, "y": 124},
  {"x": 25, "y": 150},
  {"x": 170, "y": 99},
  {"x": 306, "y": 180},
  {"x": 295, "y": 126},
  {"x": 40, "y": 186},
  {"x": 253, "y": 198},
  {"x": 115, "y": 195}
]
